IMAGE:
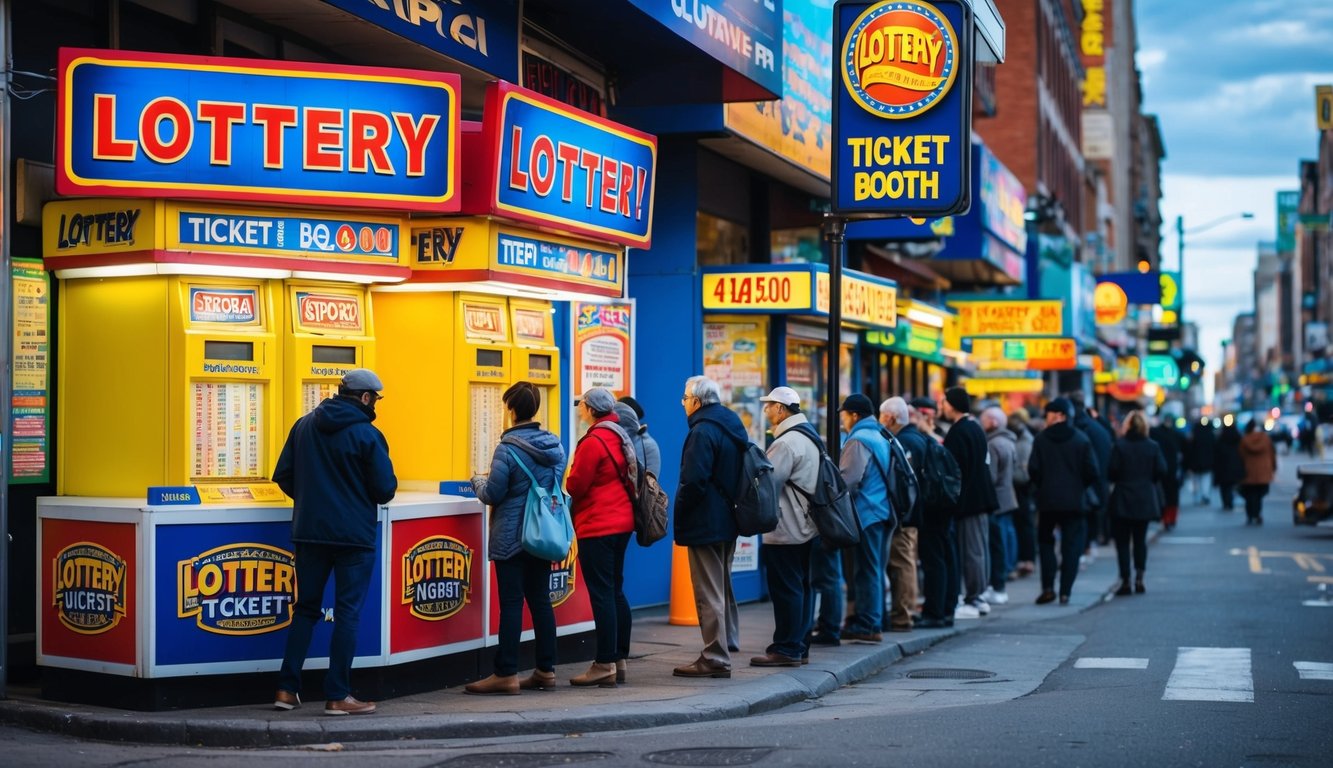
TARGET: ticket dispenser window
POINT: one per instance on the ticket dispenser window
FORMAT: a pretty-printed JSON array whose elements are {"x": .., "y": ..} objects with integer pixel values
[
  {"x": 484, "y": 358},
  {"x": 536, "y": 357},
  {"x": 328, "y": 331},
  {"x": 230, "y": 365}
]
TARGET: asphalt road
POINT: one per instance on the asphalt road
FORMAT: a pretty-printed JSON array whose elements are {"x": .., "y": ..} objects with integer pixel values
[{"x": 1226, "y": 661}]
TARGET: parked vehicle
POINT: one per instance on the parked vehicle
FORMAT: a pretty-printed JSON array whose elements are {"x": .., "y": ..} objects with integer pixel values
[{"x": 1314, "y": 501}]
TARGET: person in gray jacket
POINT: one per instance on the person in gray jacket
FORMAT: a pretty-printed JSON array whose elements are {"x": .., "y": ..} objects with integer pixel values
[
  {"x": 652, "y": 454},
  {"x": 1003, "y": 542},
  {"x": 786, "y": 549}
]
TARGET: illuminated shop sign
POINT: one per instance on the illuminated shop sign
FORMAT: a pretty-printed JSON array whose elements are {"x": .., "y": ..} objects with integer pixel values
[{"x": 158, "y": 125}]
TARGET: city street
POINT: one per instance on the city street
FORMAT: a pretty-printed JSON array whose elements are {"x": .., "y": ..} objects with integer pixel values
[{"x": 1225, "y": 660}]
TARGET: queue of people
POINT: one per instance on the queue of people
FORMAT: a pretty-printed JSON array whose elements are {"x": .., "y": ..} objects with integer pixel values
[{"x": 947, "y": 514}]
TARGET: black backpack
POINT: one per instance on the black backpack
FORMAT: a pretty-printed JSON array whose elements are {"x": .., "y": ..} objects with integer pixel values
[
  {"x": 904, "y": 489},
  {"x": 830, "y": 505},
  {"x": 755, "y": 499},
  {"x": 940, "y": 479}
]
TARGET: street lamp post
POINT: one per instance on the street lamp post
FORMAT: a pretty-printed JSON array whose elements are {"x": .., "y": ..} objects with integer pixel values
[{"x": 1180, "y": 250}]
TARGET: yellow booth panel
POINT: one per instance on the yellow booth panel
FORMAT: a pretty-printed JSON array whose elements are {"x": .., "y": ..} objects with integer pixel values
[
  {"x": 328, "y": 331},
  {"x": 536, "y": 357},
  {"x": 484, "y": 359}
]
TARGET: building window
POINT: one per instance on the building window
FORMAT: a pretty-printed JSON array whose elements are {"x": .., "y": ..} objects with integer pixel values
[{"x": 719, "y": 241}]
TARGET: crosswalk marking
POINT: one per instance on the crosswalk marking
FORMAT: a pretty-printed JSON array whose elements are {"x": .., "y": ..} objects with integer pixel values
[
  {"x": 1313, "y": 670},
  {"x": 1211, "y": 674},
  {"x": 1089, "y": 662}
]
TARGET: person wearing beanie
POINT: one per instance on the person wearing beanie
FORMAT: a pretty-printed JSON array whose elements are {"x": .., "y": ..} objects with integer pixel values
[
  {"x": 864, "y": 464},
  {"x": 966, "y": 440},
  {"x": 652, "y": 453},
  {"x": 1062, "y": 469}
]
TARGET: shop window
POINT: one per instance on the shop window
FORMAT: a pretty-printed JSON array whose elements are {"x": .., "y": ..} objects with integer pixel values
[
  {"x": 797, "y": 246},
  {"x": 719, "y": 241}
]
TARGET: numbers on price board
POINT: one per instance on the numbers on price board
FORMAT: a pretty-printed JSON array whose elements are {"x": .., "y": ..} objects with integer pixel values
[{"x": 753, "y": 290}]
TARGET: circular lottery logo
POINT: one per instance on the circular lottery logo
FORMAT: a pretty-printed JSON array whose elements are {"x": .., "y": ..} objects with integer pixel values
[{"x": 900, "y": 59}]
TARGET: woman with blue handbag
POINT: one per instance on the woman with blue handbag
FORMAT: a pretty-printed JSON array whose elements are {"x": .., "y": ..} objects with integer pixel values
[
  {"x": 599, "y": 482},
  {"x": 526, "y": 454}
]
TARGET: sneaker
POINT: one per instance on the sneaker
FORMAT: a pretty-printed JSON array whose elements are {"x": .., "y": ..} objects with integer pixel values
[
  {"x": 286, "y": 700},
  {"x": 995, "y": 598},
  {"x": 966, "y": 611},
  {"x": 982, "y": 606},
  {"x": 348, "y": 706}
]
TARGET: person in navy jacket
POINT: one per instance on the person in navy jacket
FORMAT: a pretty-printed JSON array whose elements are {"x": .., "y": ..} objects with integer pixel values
[{"x": 335, "y": 465}]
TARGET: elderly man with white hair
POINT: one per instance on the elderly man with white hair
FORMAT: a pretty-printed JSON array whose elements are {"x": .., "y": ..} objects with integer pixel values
[
  {"x": 1003, "y": 538},
  {"x": 894, "y": 417}
]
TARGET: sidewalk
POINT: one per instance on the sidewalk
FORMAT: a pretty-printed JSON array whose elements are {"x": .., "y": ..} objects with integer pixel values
[{"x": 650, "y": 697}]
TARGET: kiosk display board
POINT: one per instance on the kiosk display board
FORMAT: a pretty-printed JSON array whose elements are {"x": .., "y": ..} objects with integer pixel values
[
  {"x": 485, "y": 358},
  {"x": 329, "y": 332},
  {"x": 536, "y": 356}
]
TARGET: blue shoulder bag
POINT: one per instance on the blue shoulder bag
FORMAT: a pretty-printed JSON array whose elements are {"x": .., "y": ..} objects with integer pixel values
[{"x": 548, "y": 530}]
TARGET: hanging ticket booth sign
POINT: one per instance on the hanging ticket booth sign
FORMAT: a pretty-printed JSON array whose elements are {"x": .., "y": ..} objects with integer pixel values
[
  {"x": 541, "y": 162},
  {"x": 158, "y": 125},
  {"x": 902, "y": 107}
]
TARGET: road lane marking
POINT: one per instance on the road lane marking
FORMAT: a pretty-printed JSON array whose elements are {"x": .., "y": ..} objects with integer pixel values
[
  {"x": 1256, "y": 562},
  {"x": 1211, "y": 674},
  {"x": 1308, "y": 562},
  {"x": 1089, "y": 662},
  {"x": 1319, "y": 579},
  {"x": 1313, "y": 670},
  {"x": 1187, "y": 540}
]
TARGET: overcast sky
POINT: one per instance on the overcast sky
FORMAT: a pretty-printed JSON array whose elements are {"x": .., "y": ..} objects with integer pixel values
[{"x": 1232, "y": 84}]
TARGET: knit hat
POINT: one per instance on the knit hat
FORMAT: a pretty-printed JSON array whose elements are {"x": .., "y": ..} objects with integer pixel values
[
  {"x": 634, "y": 405},
  {"x": 958, "y": 398}
]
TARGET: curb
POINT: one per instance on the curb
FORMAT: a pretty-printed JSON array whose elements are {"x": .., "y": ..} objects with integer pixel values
[{"x": 751, "y": 698}]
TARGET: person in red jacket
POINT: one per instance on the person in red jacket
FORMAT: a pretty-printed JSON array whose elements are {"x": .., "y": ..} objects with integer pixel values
[{"x": 603, "y": 520}]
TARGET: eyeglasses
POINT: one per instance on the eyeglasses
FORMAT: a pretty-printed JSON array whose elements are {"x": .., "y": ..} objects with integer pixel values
[{"x": 688, "y": 398}]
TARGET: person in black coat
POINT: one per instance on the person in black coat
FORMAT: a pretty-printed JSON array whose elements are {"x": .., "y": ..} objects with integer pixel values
[
  {"x": 1228, "y": 469},
  {"x": 1062, "y": 469},
  {"x": 1137, "y": 466},
  {"x": 1102, "y": 438},
  {"x": 966, "y": 440},
  {"x": 1169, "y": 440},
  {"x": 1199, "y": 459}
]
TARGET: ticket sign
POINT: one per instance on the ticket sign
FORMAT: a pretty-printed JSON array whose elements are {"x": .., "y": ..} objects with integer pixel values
[
  {"x": 902, "y": 107},
  {"x": 548, "y": 164},
  {"x": 160, "y": 125},
  {"x": 1000, "y": 318}
]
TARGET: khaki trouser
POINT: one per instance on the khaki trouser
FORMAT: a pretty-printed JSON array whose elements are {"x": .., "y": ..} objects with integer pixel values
[{"x": 902, "y": 577}]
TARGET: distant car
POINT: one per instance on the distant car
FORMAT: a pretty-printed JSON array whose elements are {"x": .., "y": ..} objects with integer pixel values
[{"x": 1314, "y": 501}]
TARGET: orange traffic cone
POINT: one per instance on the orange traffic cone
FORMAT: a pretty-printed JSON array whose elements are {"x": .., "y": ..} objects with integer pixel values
[{"x": 682, "y": 611}]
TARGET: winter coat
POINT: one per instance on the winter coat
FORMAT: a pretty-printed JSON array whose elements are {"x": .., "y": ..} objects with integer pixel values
[
  {"x": 1022, "y": 452},
  {"x": 1168, "y": 439},
  {"x": 1228, "y": 469},
  {"x": 710, "y": 473},
  {"x": 1199, "y": 451},
  {"x": 1102, "y": 439},
  {"x": 1137, "y": 465},
  {"x": 864, "y": 463},
  {"x": 652, "y": 454},
  {"x": 505, "y": 489},
  {"x": 630, "y": 423},
  {"x": 596, "y": 483},
  {"x": 795, "y": 464},
  {"x": 1256, "y": 451},
  {"x": 1062, "y": 468},
  {"x": 967, "y": 442},
  {"x": 1003, "y": 448},
  {"x": 335, "y": 465}
]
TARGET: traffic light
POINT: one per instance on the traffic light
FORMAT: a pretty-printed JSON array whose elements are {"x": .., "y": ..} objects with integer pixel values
[{"x": 1191, "y": 366}]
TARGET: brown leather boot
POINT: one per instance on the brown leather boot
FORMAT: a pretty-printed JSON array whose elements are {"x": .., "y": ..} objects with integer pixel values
[
  {"x": 538, "y": 681},
  {"x": 507, "y": 685},
  {"x": 603, "y": 675}
]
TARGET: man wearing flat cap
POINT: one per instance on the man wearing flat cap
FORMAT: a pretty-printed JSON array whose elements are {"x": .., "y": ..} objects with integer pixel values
[
  {"x": 335, "y": 466},
  {"x": 865, "y": 468}
]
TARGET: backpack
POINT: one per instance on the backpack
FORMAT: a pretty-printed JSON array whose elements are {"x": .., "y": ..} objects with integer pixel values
[
  {"x": 548, "y": 529},
  {"x": 754, "y": 503},
  {"x": 830, "y": 505},
  {"x": 940, "y": 479},
  {"x": 904, "y": 488},
  {"x": 646, "y": 497}
]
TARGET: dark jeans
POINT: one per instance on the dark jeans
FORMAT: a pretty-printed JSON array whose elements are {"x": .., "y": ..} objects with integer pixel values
[
  {"x": 787, "y": 571},
  {"x": 524, "y": 577},
  {"x": 826, "y": 581},
  {"x": 1001, "y": 544},
  {"x": 867, "y": 582},
  {"x": 1127, "y": 532},
  {"x": 1228, "y": 492},
  {"x": 1024, "y": 525},
  {"x": 1073, "y": 533},
  {"x": 603, "y": 561},
  {"x": 1254, "y": 500},
  {"x": 351, "y": 568},
  {"x": 937, "y": 548}
]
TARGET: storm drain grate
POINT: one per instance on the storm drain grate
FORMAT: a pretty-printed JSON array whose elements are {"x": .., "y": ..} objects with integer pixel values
[
  {"x": 949, "y": 674},
  {"x": 521, "y": 759},
  {"x": 708, "y": 756}
]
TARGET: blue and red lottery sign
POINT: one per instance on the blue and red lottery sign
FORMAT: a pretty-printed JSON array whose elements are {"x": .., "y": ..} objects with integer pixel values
[
  {"x": 561, "y": 168},
  {"x": 154, "y": 125},
  {"x": 902, "y": 107}
]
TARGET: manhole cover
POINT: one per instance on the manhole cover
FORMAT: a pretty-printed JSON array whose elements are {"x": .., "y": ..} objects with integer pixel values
[
  {"x": 709, "y": 756},
  {"x": 949, "y": 674},
  {"x": 522, "y": 759}
]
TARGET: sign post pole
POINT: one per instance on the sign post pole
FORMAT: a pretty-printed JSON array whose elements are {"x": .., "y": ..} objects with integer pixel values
[{"x": 835, "y": 230}]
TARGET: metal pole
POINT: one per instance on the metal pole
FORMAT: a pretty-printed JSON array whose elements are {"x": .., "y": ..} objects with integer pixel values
[
  {"x": 6, "y": 209},
  {"x": 835, "y": 231},
  {"x": 1180, "y": 264}
]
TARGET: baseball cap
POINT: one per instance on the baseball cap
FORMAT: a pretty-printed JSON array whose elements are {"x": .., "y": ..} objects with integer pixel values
[
  {"x": 599, "y": 399},
  {"x": 1060, "y": 405},
  {"x": 361, "y": 380},
  {"x": 924, "y": 404},
  {"x": 784, "y": 395},
  {"x": 858, "y": 404}
]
